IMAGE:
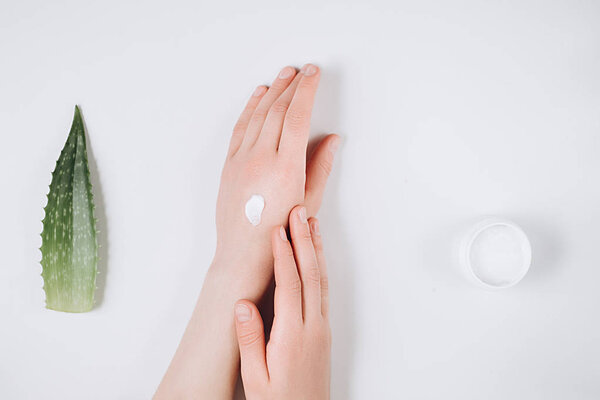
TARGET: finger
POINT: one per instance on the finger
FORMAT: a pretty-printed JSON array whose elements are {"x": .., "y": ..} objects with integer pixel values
[
  {"x": 307, "y": 263},
  {"x": 240, "y": 127},
  {"x": 318, "y": 245},
  {"x": 260, "y": 113},
  {"x": 251, "y": 340},
  {"x": 317, "y": 172},
  {"x": 296, "y": 124},
  {"x": 271, "y": 130},
  {"x": 288, "y": 288}
]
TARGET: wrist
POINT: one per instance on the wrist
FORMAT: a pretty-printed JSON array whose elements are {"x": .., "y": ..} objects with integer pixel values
[{"x": 239, "y": 278}]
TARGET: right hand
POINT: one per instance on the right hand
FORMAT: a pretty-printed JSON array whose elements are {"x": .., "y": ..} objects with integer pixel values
[{"x": 295, "y": 364}]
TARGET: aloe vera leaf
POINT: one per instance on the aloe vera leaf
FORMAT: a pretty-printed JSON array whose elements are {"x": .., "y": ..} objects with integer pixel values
[{"x": 69, "y": 246}]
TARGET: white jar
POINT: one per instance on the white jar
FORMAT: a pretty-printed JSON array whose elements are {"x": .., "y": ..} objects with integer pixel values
[{"x": 495, "y": 253}]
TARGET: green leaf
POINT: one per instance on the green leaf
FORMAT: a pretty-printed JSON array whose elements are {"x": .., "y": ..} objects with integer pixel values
[{"x": 69, "y": 247}]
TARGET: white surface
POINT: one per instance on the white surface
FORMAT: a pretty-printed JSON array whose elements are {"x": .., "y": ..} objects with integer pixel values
[{"x": 448, "y": 111}]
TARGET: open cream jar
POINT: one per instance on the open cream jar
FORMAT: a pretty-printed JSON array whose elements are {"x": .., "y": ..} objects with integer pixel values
[{"x": 495, "y": 253}]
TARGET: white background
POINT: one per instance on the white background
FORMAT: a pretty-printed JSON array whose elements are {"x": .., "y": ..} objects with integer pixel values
[{"x": 448, "y": 111}]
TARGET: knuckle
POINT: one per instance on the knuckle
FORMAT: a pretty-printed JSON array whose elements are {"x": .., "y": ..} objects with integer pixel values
[
  {"x": 306, "y": 236},
  {"x": 259, "y": 115},
  {"x": 318, "y": 244},
  {"x": 239, "y": 128},
  {"x": 248, "y": 337},
  {"x": 278, "y": 86},
  {"x": 294, "y": 286},
  {"x": 324, "y": 285},
  {"x": 285, "y": 254},
  {"x": 307, "y": 84},
  {"x": 325, "y": 165},
  {"x": 279, "y": 107},
  {"x": 313, "y": 276},
  {"x": 296, "y": 118}
]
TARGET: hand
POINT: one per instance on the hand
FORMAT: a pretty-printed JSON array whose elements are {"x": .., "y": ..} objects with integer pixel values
[
  {"x": 295, "y": 364},
  {"x": 267, "y": 156}
]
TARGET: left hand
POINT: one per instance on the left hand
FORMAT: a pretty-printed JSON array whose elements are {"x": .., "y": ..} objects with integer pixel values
[{"x": 267, "y": 156}]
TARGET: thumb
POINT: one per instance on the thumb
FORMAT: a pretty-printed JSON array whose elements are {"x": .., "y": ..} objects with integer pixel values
[
  {"x": 251, "y": 340},
  {"x": 318, "y": 170}
]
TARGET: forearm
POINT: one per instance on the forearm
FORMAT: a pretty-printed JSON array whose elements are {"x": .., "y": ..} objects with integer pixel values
[{"x": 205, "y": 365}]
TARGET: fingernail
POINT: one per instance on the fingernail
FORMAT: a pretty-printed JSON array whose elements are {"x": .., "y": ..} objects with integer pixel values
[
  {"x": 333, "y": 146},
  {"x": 258, "y": 91},
  {"x": 314, "y": 227},
  {"x": 309, "y": 69},
  {"x": 302, "y": 215},
  {"x": 242, "y": 313},
  {"x": 282, "y": 234},
  {"x": 286, "y": 73}
]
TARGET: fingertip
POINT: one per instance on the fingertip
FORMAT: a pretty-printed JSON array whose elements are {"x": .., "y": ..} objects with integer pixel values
[
  {"x": 243, "y": 311},
  {"x": 315, "y": 234},
  {"x": 334, "y": 141},
  {"x": 287, "y": 72},
  {"x": 298, "y": 215},
  {"x": 279, "y": 238},
  {"x": 274, "y": 235},
  {"x": 283, "y": 234},
  {"x": 309, "y": 69},
  {"x": 279, "y": 234},
  {"x": 314, "y": 226},
  {"x": 251, "y": 341},
  {"x": 294, "y": 211},
  {"x": 259, "y": 91}
]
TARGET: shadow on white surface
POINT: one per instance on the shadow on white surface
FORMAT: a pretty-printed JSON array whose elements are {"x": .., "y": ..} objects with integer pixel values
[
  {"x": 341, "y": 264},
  {"x": 546, "y": 249},
  {"x": 341, "y": 271}
]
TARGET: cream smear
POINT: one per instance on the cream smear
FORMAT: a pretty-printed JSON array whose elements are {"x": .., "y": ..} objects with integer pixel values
[{"x": 254, "y": 208}]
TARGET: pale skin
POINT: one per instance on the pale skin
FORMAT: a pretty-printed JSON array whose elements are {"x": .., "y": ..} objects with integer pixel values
[
  {"x": 295, "y": 363},
  {"x": 267, "y": 155}
]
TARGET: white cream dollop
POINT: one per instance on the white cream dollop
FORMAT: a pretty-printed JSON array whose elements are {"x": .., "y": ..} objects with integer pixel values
[{"x": 254, "y": 208}]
